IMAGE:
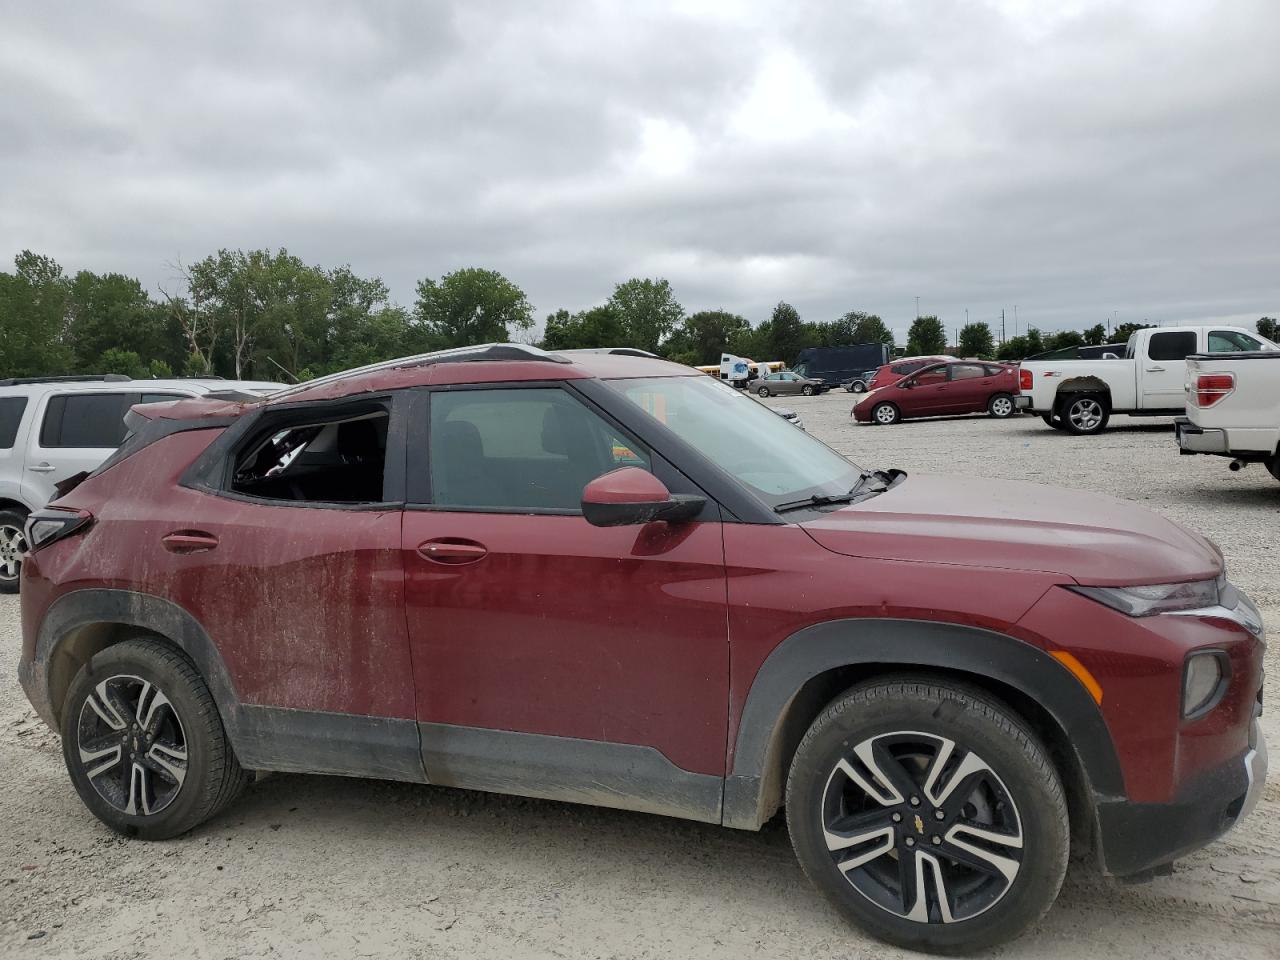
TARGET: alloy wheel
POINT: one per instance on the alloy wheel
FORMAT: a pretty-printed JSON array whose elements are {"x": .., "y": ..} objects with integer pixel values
[
  {"x": 885, "y": 414},
  {"x": 1085, "y": 414},
  {"x": 1002, "y": 406},
  {"x": 921, "y": 827},
  {"x": 12, "y": 545},
  {"x": 131, "y": 745}
]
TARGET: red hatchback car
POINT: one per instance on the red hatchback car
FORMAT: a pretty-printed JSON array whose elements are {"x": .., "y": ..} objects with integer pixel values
[
  {"x": 959, "y": 386},
  {"x": 614, "y": 580},
  {"x": 902, "y": 367}
]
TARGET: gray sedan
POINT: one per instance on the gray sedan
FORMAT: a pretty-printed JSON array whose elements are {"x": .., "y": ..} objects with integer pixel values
[{"x": 776, "y": 384}]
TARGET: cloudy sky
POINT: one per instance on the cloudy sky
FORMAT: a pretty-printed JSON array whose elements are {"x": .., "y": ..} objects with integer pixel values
[{"x": 1078, "y": 160}]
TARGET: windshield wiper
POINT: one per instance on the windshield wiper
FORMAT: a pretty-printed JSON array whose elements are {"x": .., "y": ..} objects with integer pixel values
[{"x": 870, "y": 482}]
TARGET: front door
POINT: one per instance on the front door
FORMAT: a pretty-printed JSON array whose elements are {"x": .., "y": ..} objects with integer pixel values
[
  {"x": 554, "y": 658},
  {"x": 928, "y": 394},
  {"x": 1164, "y": 371}
]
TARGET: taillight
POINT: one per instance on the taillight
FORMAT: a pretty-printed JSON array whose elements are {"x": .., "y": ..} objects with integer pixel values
[
  {"x": 1025, "y": 379},
  {"x": 50, "y": 524},
  {"x": 1212, "y": 387}
]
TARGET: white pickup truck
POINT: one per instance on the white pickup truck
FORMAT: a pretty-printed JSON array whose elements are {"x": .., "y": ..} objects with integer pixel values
[
  {"x": 1233, "y": 408},
  {"x": 1079, "y": 396}
]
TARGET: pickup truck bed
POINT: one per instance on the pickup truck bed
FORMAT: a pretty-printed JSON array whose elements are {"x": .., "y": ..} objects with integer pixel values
[{"x": 1233, "y": 408}]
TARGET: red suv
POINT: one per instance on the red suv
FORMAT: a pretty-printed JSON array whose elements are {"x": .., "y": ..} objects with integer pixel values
[
  {"x": 961, "y": 386},
  {"x": 614, "y": 580}
]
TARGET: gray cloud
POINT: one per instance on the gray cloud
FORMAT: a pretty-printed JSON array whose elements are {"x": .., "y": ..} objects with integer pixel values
[{"x": 1076, "y": 159}]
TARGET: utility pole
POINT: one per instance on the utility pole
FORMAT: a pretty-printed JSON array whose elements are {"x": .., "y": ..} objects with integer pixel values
[
  {"x": 917, "y": 308},
  {"x": 1002, "y": 337},
  {"x": 1015, "y": 319}
]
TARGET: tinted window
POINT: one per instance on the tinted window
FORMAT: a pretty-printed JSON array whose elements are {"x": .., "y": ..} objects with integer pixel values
[
  {"x": 1230, "y": 341},
  {"x": 10, "y": 418},
  {"x": 1172, "y": 346},
  {"x": 91, "y": 420},
  {"x": 967, "y": 371},
  {"x": 520, "y": 450},
  {"x": 161, "y": 397}
]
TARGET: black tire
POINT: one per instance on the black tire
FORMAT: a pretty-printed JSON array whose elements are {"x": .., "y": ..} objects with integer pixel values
[
  {"x": 1052, "y": 420},
  {"x": 187, "y": 722},
  {"x": 858, "y": 387},
  {"x": 1001, "y": 406},
  {"x": 807, "y": 390},
  {"x": 1084, "y": 414},
  {"x": 885, "y": 414},
  {"x": 762, "y": 391},
  {"x": 1273, "y": 466},
  {"x": 12, "y": 543},
  {"x": 888, "y": 720}
]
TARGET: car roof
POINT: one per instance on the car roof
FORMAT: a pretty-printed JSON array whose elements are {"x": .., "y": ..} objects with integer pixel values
[
  {"x": 484, "y": 363},
  {"x": 28, "y": 386}
]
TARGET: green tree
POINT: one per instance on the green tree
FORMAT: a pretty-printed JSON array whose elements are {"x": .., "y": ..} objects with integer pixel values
[
  {"x": 112, "y": 311},
  {"x": 470, "y": 306},
  {"x": 1096, "y": 335},
  {"x": 33, "y": 315},
  {"x": 1125, "y": 330},
  {"x": 754, "y": 343},
  {"x": 598, "y": 327},
  {"x": 1013, "y": 349},
  {"x": 125, "y": 362},
  {"x": 1065, "y": 338},
  {"x": 976, "y": 340},
  {"x": 1269, "y": 328},
  {"x": 926, "y": 336},
  {"x": 647, "y": 310},
  {"x": 786, "y": 334},
  {"x": 704, "y": 336}
]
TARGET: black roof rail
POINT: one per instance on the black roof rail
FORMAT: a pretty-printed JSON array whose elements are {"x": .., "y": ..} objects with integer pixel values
[{"x": 99, "y": 378}]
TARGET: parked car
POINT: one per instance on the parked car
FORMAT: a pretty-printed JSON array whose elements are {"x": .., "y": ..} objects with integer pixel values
[
  {"x": 786, "y": 382},
  {"x": 54, "y": 427},
  {"x": 903, "y": 366},
  {"x": 790, "y": 416},
  {"x": 442, "y": 570},
  {"x": 1080, "y": 396},
  {"x": 1233, "y": 408},
  {"x": 860, "y": 383},
  {"x": 961, "y": 386},
  {"x": 1093, "y": 351},
  {"x": 835, "y": 366}
]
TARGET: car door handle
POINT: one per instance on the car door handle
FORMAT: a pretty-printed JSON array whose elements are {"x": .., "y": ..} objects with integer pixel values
[
  {"x": 189, "y": 541},
  {"x": 452, "y": 551},
  {"x": 42, "y": 467},
  {"x": 1155, "y": 369}
]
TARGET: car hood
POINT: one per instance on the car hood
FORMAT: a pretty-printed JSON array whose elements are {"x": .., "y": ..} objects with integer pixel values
[{"x": 1091, "y": 538}]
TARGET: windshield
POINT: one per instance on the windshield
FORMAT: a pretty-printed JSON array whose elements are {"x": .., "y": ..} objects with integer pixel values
[{"x": 742, "y": 436}]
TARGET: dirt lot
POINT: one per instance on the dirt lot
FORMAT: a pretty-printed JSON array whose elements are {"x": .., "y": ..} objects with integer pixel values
[{"x": 308, "y": 866}]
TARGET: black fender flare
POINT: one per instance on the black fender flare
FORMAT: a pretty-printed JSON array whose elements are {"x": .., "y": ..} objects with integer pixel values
[{"x": 910, "y": 644}]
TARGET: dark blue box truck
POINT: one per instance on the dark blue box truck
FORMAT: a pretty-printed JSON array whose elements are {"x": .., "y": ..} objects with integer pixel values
[{"x": 842, "y": 366}]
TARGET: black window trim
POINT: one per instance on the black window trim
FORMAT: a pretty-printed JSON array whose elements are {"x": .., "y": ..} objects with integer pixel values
[
  {"x": 418, "y": 493},
  {"x": 212, "y": 471}
]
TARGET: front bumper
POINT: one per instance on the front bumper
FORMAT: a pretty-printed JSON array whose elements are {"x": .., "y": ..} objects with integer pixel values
[
  {"x": 1140, "y": 837},
  {"x": 1194, "y": 439}
]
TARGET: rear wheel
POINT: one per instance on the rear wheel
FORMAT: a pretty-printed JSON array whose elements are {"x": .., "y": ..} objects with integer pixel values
[
  {"x": 929, "y": 814},
  {"x": 144, "y": 744},
  {"x": 763, "y": 391},
  {"x": 885, "y": 413},
  {"x": 857, "y": 387},
  {"x": 1000, "y": 406},
  {"x": 1084, "y": 413},
  {"x": 12, "y": 545}
]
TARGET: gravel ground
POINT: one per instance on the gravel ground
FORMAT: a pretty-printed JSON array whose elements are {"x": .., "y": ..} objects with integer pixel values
[{"x": 311, "y": 866}]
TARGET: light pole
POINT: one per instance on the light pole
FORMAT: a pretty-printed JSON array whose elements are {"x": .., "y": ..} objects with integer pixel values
[{"x": 917, "y": 308}]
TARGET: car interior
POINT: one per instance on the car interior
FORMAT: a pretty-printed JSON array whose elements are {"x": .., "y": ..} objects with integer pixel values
[{"x": 337, "y": 461}]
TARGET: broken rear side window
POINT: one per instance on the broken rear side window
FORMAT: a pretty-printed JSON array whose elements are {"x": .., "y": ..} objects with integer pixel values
[{"x": 340, "y": 460}]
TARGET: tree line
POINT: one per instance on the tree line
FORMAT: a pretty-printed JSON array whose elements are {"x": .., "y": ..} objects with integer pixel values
[{"x": 263, "y": 314}]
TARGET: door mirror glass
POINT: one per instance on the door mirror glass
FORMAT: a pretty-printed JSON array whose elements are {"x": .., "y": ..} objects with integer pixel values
[{"x": 631, "y": 496}]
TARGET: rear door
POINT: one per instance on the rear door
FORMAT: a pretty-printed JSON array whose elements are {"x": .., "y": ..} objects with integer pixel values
[
  {"x": 1164, "y": 369},
  {"x": 75, "y": 431}
]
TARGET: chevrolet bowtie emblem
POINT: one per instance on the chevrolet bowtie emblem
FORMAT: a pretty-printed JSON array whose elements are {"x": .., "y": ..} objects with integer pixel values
[{"x": 919, "y": 824}]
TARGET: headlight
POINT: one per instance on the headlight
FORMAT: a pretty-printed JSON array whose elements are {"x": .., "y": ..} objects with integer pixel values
[
  {"x": 1159, "y": 598},
  {"x": 1203, "y": 682}
]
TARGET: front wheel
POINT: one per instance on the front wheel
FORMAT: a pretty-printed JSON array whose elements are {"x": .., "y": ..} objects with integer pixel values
[
  {"x": 929, "y": 814},
  {"x": 858, "y": 387},
  {"x": 807, "y": 390},
  {"x": 762, "y": 391},
  {"x": 12, "y": 545},
  {"x": 885, "y": 413},
  {"x": 1084, "y": 413},
  {"x": 1000, "y": 406},
  {"x": 144, "y": 744}
]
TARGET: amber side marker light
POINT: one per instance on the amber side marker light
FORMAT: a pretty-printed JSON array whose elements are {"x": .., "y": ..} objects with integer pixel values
[{"x": 1081, "y": 674}]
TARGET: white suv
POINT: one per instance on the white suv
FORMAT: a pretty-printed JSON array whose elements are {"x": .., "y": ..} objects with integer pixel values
[{"x": 52, "y": 428}]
